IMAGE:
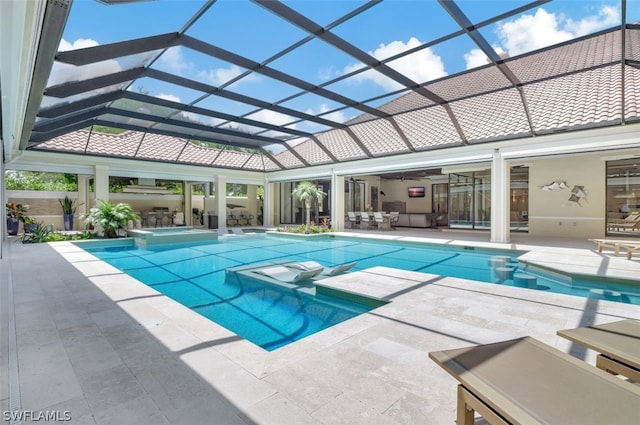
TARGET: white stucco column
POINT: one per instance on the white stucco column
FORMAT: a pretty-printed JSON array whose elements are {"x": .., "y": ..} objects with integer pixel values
[
  {"x": 269, "y": 198},
  {"x": 252, "y": 198},
  {"x": 337, "y": 202},
  {"x": 221, "y": 202},
  {"x": 101, "y": 182},
  {"x": 500, "y": 208},
  {"x": 188, "y": 203},
  {"x": 83, "y": 194}
]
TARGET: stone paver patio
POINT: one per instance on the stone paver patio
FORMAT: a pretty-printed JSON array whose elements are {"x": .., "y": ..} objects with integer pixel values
[{"x": 107, "y": 349}]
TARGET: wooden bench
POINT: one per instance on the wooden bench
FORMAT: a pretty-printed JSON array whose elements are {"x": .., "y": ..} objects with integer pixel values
[{"x": 524, "y": 381}]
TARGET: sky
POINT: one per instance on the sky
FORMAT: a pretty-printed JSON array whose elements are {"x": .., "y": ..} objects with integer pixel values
[{"x": 382, "y": 31}]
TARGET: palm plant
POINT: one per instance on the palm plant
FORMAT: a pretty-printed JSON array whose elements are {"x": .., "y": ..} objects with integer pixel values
[
  {"x": 308, "y": 192},
  {"x": 110, "y": 217}
]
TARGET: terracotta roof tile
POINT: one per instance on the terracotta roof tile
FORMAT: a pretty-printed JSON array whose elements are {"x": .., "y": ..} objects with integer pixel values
[
  {"x": 70, "y": 142},
  {"x": 582, "y": 99},
  {"x": 341, "y": 145},
  {"x": 288, "y": 160},
  {"x": 361, "y": 118},
  {"x": 229, "y": 158},
  {"x": 164, "y": 148},
  {"x": 123, "y": 144},
  {"x": 380, "y": 137},
  {"x": 260, "y": 162},
  {"x": 632, "y": 93},
  {"x": 419, "y": 129},
  {"x": 312, "y": 152},
  {"x": 469, "y": 84},
  {"x": 408, "y": 102},
  {"x": 197, "y": 154},
  {"x": 633, "y": 44},
  {"x": 491, "y": 116},
  {"x": 567, "y": 58}
]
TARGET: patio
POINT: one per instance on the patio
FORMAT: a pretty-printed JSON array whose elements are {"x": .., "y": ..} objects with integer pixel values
[{"x": 93, "y": 342}]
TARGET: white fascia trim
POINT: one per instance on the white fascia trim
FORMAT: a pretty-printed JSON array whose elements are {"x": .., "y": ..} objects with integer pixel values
[
  {"x": 585, "y": 141},
  {"x": 593, "y": 140},
  {"x": 413, "y": 161},
  {"x": 77, "y": 164}
]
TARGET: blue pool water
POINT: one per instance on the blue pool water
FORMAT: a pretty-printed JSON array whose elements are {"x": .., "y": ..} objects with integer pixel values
[{"x": 272, "y": 316}]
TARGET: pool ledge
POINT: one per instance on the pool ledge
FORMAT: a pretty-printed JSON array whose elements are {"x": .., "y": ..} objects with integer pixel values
[{"x": 144, "y": 237}]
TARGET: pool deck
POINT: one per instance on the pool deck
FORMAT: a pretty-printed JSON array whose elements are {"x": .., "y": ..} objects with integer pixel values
[{"x": 78, "y": 336}]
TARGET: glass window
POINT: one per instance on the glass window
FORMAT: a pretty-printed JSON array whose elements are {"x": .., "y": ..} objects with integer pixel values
[
  {"x": 519, "y": 199},
  {"x": 623, "y": 197}
]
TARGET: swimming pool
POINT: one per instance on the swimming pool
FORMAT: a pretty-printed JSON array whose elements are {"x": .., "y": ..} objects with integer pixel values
[{"x": 194, "y": 274}]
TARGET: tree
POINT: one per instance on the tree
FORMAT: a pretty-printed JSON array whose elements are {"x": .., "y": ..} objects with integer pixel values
[{"x": 308, "y": 192}]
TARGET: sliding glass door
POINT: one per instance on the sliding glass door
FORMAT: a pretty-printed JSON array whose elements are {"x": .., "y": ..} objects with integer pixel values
[
  {"x": 470, "y": 200},
  {"x": 623, "y": 197}
]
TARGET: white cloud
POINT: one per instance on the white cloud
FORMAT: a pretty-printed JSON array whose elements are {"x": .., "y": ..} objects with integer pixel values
[
  {"x": 542, "y": 29},
  {"x": 476, "y": 57},
  {"x": 173, "y": 61},
  {"x": 420, "y": 66},
  {"x": 80, "y": 43},
  {"x": 170, "y": 97},
  {"x": 189, "y": 115},
  {"x": 531, "y": 32},
  {"x": 62, "y": 72},
  {"x": 271, "y": 117},
  {"x": 337, "y": 116},
  {"x": 219, "y": 76},
  {"x": 607, "y": 16}
]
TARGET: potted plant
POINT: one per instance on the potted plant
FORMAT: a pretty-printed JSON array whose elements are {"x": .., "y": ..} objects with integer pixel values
[
  {"x": 308, "y": 192},
  {"x": 109, "y": 218},
  {"x": 69, "y": 208},
  {"x": 15, "y": 214},
  {"x": 30, "y": 224}
]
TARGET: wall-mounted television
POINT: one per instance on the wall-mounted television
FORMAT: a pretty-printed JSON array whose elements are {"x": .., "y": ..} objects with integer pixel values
[{"x": 416, "y": 192}]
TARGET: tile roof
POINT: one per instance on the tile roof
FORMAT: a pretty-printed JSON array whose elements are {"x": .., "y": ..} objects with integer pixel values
[
  {"x": 341, "y": 145},
  {"x": 632, "y": 93},
  {"x": 576, "y": 100},
  {"x": 492, "y": 116},
  {"x": 161, "y": 148},
  {"x": 312, "y": 152},
  {"x": 419, "y": 127},
  {"x": 380, "y": 137},
  {"x": 574, "y": 85}
]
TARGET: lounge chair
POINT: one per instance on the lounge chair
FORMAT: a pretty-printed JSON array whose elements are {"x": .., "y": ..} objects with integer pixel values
[
  {"x": 524, "y": 381},
  {"x": 288, "y": 275},
  {"x": 632, "y": 221},
  {"x": 617, "y": 342},
  {"x": 631, "y": 248},
  {"x": 616, "y": 244},
  {"x": 326, "y": 271}
]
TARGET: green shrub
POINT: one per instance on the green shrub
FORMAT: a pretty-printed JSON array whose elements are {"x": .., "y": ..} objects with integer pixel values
[
  {"x": 307, "y": 230},
  {"x": 109, "y": 217}
]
